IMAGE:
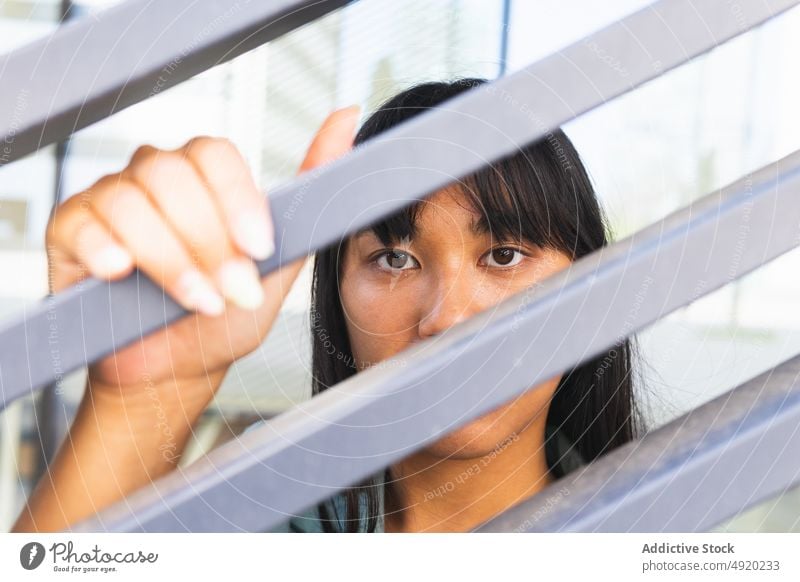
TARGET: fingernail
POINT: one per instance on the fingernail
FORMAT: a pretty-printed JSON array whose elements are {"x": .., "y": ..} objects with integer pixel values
[
  {"x": 255, "y": 235},
  {"x": 199, "y": 293},
  {"x": 241, "y": 283},
  {"x": 109, "y": 260}
]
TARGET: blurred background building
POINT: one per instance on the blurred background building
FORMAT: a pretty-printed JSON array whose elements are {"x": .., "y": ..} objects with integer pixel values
[{"x": 649, "y": 153}]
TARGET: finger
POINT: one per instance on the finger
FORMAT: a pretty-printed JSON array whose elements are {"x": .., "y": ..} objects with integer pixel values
[
  {"x": 177, "y": 190},
  {"x": 125, "y": 210},
  {"x": 235, "y": 192},
  {"x": 74, "y": 235},
  {"x": 333, "y": 139},
  {"x": 100, "y": 252}
]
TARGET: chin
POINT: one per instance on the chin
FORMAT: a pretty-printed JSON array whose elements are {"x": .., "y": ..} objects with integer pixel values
[
  {"x": 495, "y": 430},
  {"x": 474, "y": 440}
]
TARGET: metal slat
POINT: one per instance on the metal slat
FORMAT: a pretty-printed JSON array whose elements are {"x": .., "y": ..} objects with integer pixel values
[
  {"x": 394, "y": 169},
  {"x": 690, "y": 475},
  {"x": 381, "y": 415},
  {"x": 95, "y": 66}
]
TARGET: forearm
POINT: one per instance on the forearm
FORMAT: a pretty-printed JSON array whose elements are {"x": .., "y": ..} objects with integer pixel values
[{"x": 118, "y": 442}]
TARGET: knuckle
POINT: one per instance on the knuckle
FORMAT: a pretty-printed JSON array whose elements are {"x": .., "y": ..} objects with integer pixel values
[
  {"x": 142, "y": 153},
  {"x": 198, "y": 144},
  {"x": 116, "y": 192},
  {"x": 227, "y": 145},
  {"x": 156, "y": 167},
  {"x": 205, "y": 146},
  {"x": 66, "y": 218},
  {"x": 52, "y": 234},
  {"x": 104, "y": 185}
]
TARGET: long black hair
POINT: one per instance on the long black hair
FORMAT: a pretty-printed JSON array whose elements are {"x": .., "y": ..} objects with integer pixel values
[{"x": 541, "y": 194}]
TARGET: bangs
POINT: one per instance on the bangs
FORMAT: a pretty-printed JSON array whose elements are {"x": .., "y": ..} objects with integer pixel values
[
  {"x": 517, "y": 199},
  {"x": 541, "y": 194}
]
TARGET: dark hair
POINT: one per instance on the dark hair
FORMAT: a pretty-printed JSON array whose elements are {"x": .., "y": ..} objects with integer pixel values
[{"x": 542, "y": 194}]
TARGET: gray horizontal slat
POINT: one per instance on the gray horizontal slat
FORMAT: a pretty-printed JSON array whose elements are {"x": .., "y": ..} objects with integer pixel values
[
  {"x": 381, "y": 415},
  {"x": 391, "y": 171},
  {"x": 690, "y": 475},
  {"x": 95, "y": 66}
]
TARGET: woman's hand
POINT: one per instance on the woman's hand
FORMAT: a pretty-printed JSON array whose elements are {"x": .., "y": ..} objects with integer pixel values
[{"x": 193, "y": 220}]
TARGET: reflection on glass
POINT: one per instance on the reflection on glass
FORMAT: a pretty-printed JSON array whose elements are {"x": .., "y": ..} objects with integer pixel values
[{"x": 778, "y": 515}]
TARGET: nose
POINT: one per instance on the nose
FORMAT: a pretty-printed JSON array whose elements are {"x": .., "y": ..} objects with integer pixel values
[{"x": 448, "y": 300}]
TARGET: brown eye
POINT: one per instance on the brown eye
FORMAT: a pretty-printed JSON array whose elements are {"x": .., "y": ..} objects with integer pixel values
[
  {"x": 504, "y": 257},
  {"x": 395, "y": 260}
]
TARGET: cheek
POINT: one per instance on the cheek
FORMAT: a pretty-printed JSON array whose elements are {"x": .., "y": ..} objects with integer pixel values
[{"x": 380, "y": 320}]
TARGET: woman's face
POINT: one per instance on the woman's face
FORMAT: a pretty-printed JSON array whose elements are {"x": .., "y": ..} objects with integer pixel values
[{"x": 395, "y": 297}]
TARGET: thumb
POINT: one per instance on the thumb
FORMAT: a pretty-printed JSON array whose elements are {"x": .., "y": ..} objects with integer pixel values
[{"x": 333, "y": 139}]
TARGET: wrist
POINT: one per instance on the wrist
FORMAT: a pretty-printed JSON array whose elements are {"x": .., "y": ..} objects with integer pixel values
[
  {"x": 189, "y": 394},
  {"x": 157, "y": 417}
]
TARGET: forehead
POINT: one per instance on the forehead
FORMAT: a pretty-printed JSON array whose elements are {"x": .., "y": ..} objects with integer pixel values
[
  {"x": 446, "y": 209},
  {"x": 451, "y": 206}
]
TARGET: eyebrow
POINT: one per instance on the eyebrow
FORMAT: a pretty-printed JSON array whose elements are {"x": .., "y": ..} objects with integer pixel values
[
  {"x": 364, "y": 232},
  {"x": 478, "y": 227}
]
